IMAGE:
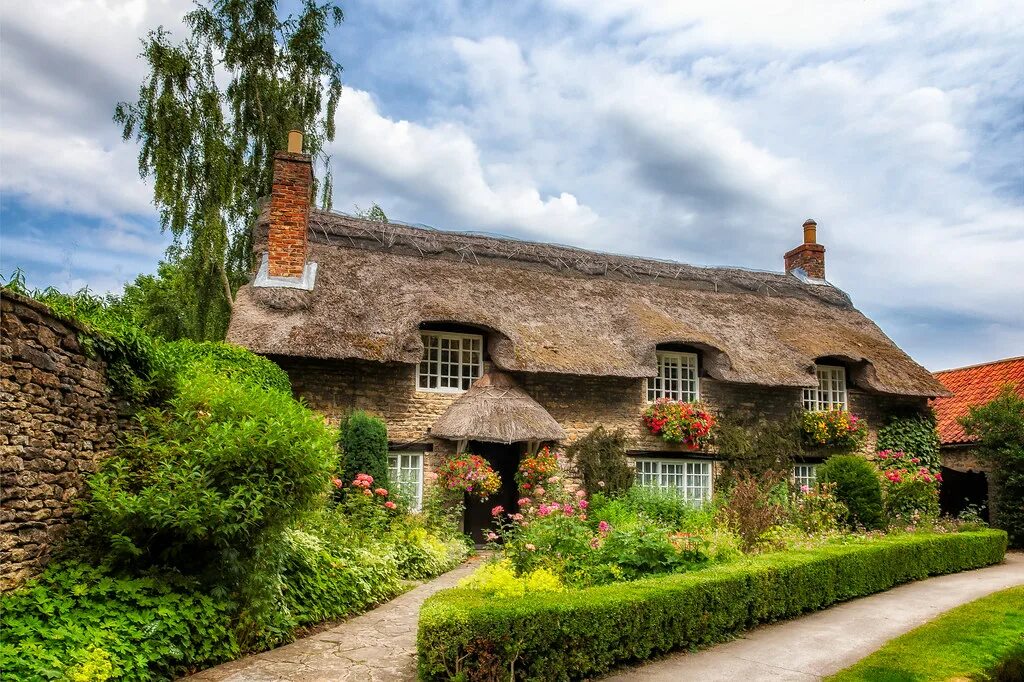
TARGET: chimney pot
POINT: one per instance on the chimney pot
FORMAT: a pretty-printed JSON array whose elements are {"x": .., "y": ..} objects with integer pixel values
[
  {"x": 295, "y": 141},
  {"x": 810, "y": 231}
]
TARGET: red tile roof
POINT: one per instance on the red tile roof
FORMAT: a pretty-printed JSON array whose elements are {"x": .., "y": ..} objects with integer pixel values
[{"x": 975, "y": 385}]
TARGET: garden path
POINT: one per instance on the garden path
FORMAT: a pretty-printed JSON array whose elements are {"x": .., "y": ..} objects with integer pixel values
[
  {"x": 825, "y": 642},
  {"x": 377, "y": 646}
]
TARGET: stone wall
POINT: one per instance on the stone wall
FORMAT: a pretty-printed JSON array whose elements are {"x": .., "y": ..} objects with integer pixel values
[
  {"x": 58, "y": 420},
  {"x": 336, "y": 387}
]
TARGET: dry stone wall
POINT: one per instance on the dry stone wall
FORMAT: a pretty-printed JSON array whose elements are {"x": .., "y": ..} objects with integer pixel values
[{"x": 57, "y": 420}]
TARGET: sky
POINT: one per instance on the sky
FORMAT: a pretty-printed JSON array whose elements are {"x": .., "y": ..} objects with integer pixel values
[{"x": 700, "y": 132}]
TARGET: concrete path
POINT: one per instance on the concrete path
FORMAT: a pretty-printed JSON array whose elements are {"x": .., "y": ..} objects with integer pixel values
[
  {"x": 378, "y": 646},
  {"x": 825, "y": 642}
]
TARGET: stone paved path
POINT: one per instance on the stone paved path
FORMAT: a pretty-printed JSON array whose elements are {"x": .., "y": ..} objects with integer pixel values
[
  {"x": 825, "y": 642},
  {"x": 378, "y": 646}
]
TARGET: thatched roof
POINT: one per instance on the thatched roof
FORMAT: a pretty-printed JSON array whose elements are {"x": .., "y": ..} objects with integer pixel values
[
  {"x": 496, "y": 410},
  {"x": 557, "y": 309}
]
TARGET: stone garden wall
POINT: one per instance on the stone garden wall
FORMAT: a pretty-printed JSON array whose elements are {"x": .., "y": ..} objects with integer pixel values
[{"x": 57, "y": 420}]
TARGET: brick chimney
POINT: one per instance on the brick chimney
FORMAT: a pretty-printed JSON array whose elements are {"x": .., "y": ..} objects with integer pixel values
[
  {"x": 809, "y": 256},
  {"x": 289, "y": 210}
]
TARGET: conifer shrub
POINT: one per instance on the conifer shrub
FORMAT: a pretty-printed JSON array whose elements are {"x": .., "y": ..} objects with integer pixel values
[
  {"x": 858, "y": 486},
  {"x": 364, "y": 447}
]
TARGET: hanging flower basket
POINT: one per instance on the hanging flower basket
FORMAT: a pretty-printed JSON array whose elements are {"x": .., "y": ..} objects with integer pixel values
[
  {"x": 834, "y": 428},
  {"x": 470, "y": 474},
  {"x": 536, "y": 470},
  {"x": 679, "y": 422}
]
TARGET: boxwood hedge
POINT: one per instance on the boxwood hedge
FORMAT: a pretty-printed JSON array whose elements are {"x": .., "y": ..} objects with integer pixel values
[{"x": 577, "y": 634}]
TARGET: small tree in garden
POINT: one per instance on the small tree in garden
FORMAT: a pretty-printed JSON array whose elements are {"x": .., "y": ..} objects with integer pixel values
[
  {"x": 600, "y": 457},
  {"x": 999, "y": 425},
  {"x": 858, "y": 486},
  {"x": 364, "y": 447}
]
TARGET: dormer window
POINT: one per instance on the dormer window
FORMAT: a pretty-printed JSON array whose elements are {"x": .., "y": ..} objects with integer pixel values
[
  {"x": 451, "y": 362},
  {"x": 831, "y": 391},
  {"x": 677, "y": 377}
]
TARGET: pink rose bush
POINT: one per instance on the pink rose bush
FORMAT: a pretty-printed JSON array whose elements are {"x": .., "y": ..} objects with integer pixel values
[{"x": 910, "y": 490}]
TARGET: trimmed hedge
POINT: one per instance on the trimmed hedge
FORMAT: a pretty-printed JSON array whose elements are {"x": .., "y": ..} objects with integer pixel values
[{"x": 577, "y": 634}]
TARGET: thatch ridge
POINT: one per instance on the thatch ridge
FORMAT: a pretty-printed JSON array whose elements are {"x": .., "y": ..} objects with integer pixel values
[
  {"x": 561, "y": 310},
  {"x": 496, "y": 409}
]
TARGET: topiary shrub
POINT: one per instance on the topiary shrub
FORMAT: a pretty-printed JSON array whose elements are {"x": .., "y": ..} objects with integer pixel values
[
  {"x": 364, "y": 448},
  {"x": 227, "y": 359},
  {"x": 915, "y": 435},
  {"x": 858, "y": 486},
  {"x": 600, "y": 457}
]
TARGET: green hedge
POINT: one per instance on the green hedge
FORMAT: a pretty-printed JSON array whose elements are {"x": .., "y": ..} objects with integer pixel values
[{"x": 577, "y": 634}]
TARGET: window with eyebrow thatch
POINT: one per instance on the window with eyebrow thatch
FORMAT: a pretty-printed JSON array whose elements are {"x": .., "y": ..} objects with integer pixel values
[
  {"x": 677, "y": 377},
  {"x": 451, "y": 362},
  {"x": 831, "y": 391}
]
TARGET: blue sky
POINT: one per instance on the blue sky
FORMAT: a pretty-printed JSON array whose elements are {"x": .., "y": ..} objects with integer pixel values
[{"x": 702, "y": 132}]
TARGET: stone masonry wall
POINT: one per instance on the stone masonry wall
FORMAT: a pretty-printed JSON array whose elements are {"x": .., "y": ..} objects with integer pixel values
[
  {"x": 57, "y": 420},
  {"x": 577, "y": 403}
]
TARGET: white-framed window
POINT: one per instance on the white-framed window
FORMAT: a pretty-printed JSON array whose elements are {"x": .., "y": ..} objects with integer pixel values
[
  {"x": 451, "y": 362},
  {"x": 689, "y": 479},
  {"x": 805, "y": 475},
  {"x": 677, "y": 377},
  {"x": 831, "y": 391},
  {"x": 406, "y": 472}
]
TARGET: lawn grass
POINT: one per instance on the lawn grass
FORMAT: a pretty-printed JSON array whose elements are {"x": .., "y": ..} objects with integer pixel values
[{"x": 960, "y": 644}]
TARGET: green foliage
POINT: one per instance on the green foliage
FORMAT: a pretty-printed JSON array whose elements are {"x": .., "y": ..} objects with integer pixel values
[
  {"x": 664, "y": 507},
  {"x": 600, "y": 458},
  {"x": 364, "y": 447},
  {"x": 915, "y": 435},
  {"x": 911, "y": 500},
  {"x": 858, "y": 486},
  {"x": 211, "y": 113},
  {"x": 466, "y": 634},
  {"x": 136, "y": 367},
  {"x": 78, "y": 622},
  {"x": 999, "y": 426},
  {"x": 758, "y": 446},
  {"x": 209, "y": 483},
  {"x": 237, "y": 363},
  {"x": 817, "y": 511},
  {"x": 327, "y": 581},
  {"x": 752, "y": 509},
  {"x": 498, "y": 579},
  {"x": 971, "y": 641}
]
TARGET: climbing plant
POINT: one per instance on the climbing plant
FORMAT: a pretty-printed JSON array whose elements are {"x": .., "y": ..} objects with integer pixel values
[{"x": 913, "y": 434}]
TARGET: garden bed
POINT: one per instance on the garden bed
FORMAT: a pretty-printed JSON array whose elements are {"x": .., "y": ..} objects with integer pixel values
[{"x": 581, "y": 633}]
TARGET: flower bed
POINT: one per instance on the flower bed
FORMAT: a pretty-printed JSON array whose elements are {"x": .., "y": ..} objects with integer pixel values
[{"x": 581, "y": 633}]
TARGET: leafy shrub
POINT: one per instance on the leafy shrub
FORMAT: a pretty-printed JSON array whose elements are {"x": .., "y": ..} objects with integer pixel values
[
  {"x": 676, "y": 421},
  {"x": 750, "y": 510},
  {"x": 364, "y": 447},
  {"x": 421, "y": 554},
  {"x": 80, "y": 622},
  {"x": 326, "y": 581},
  {"x": 645, "y": 549},
  {"x": 910, "y": 490},
  {"x": 497, "y": 579},
  {"x": 916, "y": 435},
  {"x": 209, "y": 483},
  {"x": 857, "y": 485},
  {"x": 227, "y": 359},
  {"x": 600, "y": 458},
  {"x": 817, "y": 511},
  {"x": 758, "y": 446},
  {"x": 655, "y": 504},
  {"x": 1000, "y": 427},
  {"x": 834, "y": 428},
  {"x": 465, "y": 633}
]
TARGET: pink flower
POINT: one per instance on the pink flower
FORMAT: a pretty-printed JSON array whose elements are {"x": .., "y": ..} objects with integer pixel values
[
  {"x": 915, "y": 460},
  {"x": 337, "y": 482},
  {"x": 594, "y": 542},
  {"x": 491, "y": 537},
  {"x": 517, "y": 517},
  {"x": 584, "y": 504},
  {"x": 530, "y": 547},
  {"x": 568, "y": 510},
  {"x": 581, "y": 493},
  {"x": 805, "y": 488},
  {"x": 604, "y": 527},
  {"x": 540, "y": 490},
  {"x": 497, "y": 511},
  {"x": 883, "y": 455},
  {"x": 390, "y": 505},
  {"x": 553, "y": 479},
  {"x": 381, "y": 491},
  {"x": 525, "y": 501},
  {"x": 938, "y": 477}
]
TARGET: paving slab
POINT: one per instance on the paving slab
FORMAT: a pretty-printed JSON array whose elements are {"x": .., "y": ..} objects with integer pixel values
[
  {"x": 377, "y": 646},
  {"x": 825, "y": 642}
]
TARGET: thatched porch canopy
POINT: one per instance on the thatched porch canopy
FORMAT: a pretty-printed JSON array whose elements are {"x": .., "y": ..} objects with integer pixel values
[
  {"x": 496, "y": 410},
  {"x": 561, "y": 310}
]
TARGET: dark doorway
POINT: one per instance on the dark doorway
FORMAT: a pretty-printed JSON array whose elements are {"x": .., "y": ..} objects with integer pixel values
[
  {"x": 504, "y": 459},
  {"x": 961, "y": 489}
]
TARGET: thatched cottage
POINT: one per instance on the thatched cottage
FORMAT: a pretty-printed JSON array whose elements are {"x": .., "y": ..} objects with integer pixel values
[{"x": 494, "y": 345}]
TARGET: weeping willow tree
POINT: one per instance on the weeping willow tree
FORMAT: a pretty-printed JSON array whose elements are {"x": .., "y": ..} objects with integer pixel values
[{"x": 210, "y": 114}]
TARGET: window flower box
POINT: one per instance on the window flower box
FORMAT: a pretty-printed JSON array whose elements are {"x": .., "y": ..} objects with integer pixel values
[
  {"x": 833, "y": 428},
  {"x": 679, "y": 422}
]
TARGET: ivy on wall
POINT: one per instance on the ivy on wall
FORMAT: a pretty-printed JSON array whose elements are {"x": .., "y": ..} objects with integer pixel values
[{"x": 914, "y": 434}]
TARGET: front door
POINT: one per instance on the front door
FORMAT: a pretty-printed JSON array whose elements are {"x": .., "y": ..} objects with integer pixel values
[{"x": 504, "y": 459}]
